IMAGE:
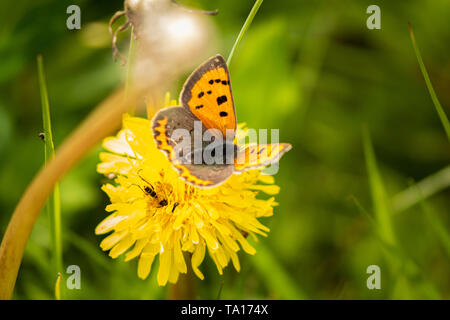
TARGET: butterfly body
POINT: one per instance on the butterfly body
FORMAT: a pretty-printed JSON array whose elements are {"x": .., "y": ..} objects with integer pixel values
[{"x": 199, "y": 136}]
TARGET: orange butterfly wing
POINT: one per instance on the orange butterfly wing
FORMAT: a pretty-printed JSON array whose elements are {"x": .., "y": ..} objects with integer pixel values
[
  {"x": 207, "y": 94},
  {"x": 259, "y": 155},
  {"x": 164, "y": 123}
]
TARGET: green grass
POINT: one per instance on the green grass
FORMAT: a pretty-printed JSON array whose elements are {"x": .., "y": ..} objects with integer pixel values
[
  {"x": 379, "y": 197},
  {"x": 404, "y": 271},
  {"x": 436, "y": 224},
  {"x": 431, "y": 185},
  {"x": 278, "y": 279},
  {"x": 434, "y": 98},
  {"x": 54, "y": 202}
]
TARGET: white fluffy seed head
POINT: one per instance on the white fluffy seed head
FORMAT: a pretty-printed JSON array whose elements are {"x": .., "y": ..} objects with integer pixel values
[{"x": 170, "y": 41}]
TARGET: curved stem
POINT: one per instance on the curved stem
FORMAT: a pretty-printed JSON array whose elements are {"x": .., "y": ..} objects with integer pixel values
[
  {"x": 103, "y": 121},
  {"x": 246, "y": 25}
]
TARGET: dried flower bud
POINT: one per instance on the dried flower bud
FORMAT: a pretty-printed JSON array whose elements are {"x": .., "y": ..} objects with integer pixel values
[{"x": 170, "y": 37}]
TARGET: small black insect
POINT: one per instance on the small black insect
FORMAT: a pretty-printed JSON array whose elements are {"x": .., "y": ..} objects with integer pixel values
[{"x": 150, "y": 190}]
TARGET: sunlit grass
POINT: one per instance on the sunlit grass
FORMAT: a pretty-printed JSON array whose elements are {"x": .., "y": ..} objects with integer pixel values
[
  {"x": 379, "y": 197},
  {"x": 58, "y": 287},
  {"x": 406, "y": 272}
]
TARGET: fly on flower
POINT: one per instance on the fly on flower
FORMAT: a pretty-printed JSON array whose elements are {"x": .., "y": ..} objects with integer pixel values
[
  {"x": 149, "y": 190},
  {"x": 190, "y": 222}
]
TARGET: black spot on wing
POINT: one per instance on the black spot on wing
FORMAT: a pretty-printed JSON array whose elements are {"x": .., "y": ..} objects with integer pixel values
[
  {"x": 221, "y": 99},
  {"x": 209, "y": 92},
  {"x": 223, "y": 114},
  {"x": 201, "y": 94},
  {"x": 217, "y": 80},
  {"x": 199, "y": 107},
  {"x": 211, "y": 81}
]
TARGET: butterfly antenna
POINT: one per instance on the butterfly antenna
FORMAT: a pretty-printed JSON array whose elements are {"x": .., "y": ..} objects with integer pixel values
[{"x": 210, "y": 13}]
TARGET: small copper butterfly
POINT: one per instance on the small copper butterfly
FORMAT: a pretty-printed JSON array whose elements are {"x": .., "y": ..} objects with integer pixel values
[{"x": 207, "y": 99}]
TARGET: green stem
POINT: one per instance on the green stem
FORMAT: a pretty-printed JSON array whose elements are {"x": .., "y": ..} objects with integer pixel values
[
  {"x": 58, "y": 287},
  {"x": 246, "y": 25},
  {"x": 436, "y": 102},
  {"x": 129, "y": 63},
  {"x": 53, "y": 204},
  {"x": 129, "y": 76},
  {"x": 185, "y": 287}
]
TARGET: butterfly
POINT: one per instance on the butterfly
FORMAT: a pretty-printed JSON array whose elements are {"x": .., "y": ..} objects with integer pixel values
[{"x": 207, "y": 100}]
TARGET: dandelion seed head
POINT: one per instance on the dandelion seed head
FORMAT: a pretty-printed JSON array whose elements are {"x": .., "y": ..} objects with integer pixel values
[{"x": 170, "y": 40}]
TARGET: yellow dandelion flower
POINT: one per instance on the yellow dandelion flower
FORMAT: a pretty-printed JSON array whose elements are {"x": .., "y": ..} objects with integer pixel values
[{"x": 154, "y": 213}]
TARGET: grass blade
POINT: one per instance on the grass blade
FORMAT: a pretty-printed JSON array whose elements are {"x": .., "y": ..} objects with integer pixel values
[
  {"x": 53, "y": 204},
  {"x": 435, "y": 223},
  {"x": 421, "y": 190},
  {"x": 244, "y": 28},
  {"x": 436, "y": 102},
  {"x": 277, "y": 279},
  {"x": 380, "y": 201},
  {"x": 58, "y": 287},
  {"x": 438, "y": 227},
  {"x": 406, "y": 271}
]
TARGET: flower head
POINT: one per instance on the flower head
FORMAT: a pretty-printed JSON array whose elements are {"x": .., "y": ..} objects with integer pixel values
[{"x": 154, "y": 213}]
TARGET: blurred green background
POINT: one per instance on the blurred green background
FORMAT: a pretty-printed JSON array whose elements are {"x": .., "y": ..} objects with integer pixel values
[{"x": 310, "y": 68}]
